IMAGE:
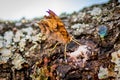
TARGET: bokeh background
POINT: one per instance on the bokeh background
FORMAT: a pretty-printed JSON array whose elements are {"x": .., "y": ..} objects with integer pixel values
[{"x": 16, "y": 9}]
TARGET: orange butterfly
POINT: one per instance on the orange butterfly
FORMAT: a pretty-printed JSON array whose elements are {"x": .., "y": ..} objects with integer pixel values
[{"x": 54, "y": 29}]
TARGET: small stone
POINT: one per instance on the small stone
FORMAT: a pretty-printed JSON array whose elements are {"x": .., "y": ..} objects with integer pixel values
[{"x": 102, "y": 31}]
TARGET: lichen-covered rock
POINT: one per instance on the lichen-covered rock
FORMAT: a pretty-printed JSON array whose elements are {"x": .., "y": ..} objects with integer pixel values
[
  {"x": 116, "y": 60},
  {"x": 103, "y": 73},
  {"x": 38, "y": 37},
  {"x": 96, "y": 11},
  {"x": 28, "y": 31},
  {"x": 19, "y": 34},
  {"x": 5, "y": 55},
  {"x": 18, "y": 60},
  {"x": 81, "y": 15},
  {"x": 1, "y": 42},
  {"x": 82, "y": 51},
  {"x": 22, "y": 45},
  {"x": 8, "y": 36},
  {"x": 82, "y": 28}
]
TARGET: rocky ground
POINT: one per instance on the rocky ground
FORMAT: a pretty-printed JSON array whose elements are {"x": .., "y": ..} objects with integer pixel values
[{"x": 25, "y": 52}]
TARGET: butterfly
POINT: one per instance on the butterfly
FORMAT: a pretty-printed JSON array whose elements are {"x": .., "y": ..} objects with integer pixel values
[{"x": 54, "y": 29}]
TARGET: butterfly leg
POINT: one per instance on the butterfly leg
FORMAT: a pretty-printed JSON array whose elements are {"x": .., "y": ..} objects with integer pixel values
[
  {"x": 54, "y": 47},
  {"x": 65, "y": 52}
]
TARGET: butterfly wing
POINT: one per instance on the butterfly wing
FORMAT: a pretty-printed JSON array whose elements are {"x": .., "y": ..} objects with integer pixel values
[{"x": 54, "y": 28}]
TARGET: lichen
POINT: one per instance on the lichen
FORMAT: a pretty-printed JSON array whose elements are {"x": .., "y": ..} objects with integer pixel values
[
  {"x": 1, "y": 42},
  {"x": 103, "y": 73},
  {"x": 8, "y": 36},
  {"x": 116, "y": 60},
  {"x": 17, "y": 61},
  {"x": 39, "y": 37},
  {"x": 95, "y": 11},
  {"x": 28, "y": 30},
  {"x": 19, "y": 34},
  {"x": 82, "y": 54},
  {"x": 40, "y": 74},
  {"x": 22, "y": 44},
  {"x": 5, "y": 55},
  {"x": 82, "y": 28}
]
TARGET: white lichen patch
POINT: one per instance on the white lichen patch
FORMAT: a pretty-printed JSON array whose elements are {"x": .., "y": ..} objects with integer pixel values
[
  {"x": 81, "y": 51},
  {"x": 74, "y": 18},
  {"x": 116, "y": 60},
  {"x": 27, "y": 54},
  {"x": 81, "y": 15},
  {"x": 1, "y": 42},
  {"x": 96, "y": 11},
  {"x": 116, "y": 57},
  {"x": 103, "y": 73},
  {"x": 5, "y": 55},
  {"x": 82, "y": 28},
  {"x": 19, "y": 34},
  {"x": 18, "y": 24},
  {"x": 39, "y": 37},
  {"x": 76, "y": 26},
  {"x": 28, "y": 30},
  {"x": 18, "y": 60},
  {"x": 8, "y": 36},
  {"x": 22, "y": 44}
]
